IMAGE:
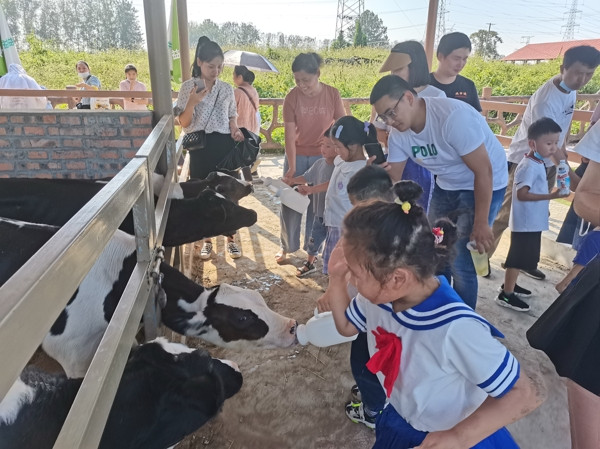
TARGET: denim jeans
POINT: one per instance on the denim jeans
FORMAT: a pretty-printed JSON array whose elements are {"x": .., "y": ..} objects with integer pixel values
[
  {"x": 371, "y": 391},
  {"x": 459, "y": 206},
  {"x": 317, "y": 237},
  {"x": 290, "y": 220}
]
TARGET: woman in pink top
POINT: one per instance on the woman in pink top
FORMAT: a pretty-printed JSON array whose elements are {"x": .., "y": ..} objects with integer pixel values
[
  {"x": 308, "y": 111},
  {"x": 132, "y": 84},
  {"x": 246, "y": 99}
]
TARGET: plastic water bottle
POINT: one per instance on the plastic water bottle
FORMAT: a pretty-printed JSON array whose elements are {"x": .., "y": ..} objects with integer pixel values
[
  {"x": 563, "y": 182},
  {"x": 289, "y": 197},
  {"x": 320, "y": 331}
]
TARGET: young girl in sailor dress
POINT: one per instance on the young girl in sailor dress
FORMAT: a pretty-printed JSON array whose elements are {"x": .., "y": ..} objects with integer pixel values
[{"x": 449, "y": 382}]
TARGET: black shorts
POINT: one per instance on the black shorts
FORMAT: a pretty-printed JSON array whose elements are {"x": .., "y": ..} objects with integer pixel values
[{"x": 524, "y": 251}]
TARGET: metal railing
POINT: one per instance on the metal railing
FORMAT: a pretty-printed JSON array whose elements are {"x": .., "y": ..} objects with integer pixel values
[{"x": 34, "y": 297}]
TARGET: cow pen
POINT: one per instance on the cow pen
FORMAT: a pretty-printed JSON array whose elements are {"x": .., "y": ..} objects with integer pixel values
[{"x": 56, "y": 270}]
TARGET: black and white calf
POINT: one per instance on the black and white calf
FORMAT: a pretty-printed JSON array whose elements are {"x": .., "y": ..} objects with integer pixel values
[
  {"x": 167, "y": 392},
  {"x": 230, "y": 187},
  {"x": 224, "y": 315},
  {"x": 55, "y": 201}
]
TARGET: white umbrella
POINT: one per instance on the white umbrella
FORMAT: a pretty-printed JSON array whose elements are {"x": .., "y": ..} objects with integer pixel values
[
  {"x": 252, "y": 61},
  {"x": 9, "y": 51}
]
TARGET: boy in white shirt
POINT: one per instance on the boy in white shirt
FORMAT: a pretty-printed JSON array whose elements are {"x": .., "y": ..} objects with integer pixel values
[{"x": 529, "y": 214}]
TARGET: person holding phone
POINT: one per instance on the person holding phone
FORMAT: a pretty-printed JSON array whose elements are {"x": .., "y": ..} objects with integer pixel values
[
  {"x": 88, "y": 82},
  {"x": 205, "y": 103}
]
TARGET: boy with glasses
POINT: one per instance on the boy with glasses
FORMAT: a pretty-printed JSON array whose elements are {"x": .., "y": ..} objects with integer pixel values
[{"x": 453, "y": 141}]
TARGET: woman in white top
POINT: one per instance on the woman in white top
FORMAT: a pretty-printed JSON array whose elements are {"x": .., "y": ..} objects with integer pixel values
[
  {"x": 131, "y": 83},
  {"x": 207, "y": 103}
]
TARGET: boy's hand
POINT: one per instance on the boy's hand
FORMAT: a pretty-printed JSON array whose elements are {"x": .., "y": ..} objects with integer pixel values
[
  {"x": 304, "y": 189},
  {"x": 446, "y": 439},
  {"x": 323, "y": 303},
  {"x": 556, "y": 193}
]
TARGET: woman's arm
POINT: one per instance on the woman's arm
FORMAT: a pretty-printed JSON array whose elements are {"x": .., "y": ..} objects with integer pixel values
[
  {"x": 587, "y": 196},
  {"x": 562, "y": 285},
  {"x": 290, "y": 148},
  {"x": 495, "y": 413}
]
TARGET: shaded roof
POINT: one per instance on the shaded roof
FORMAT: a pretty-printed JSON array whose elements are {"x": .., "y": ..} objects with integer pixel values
[{"x": 548, "y": 50}]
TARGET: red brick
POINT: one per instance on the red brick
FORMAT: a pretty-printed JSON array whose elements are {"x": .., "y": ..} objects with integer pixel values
[
  {"x": 70, "y": 120},
  {"x": 3, "y": 119},
  {"x": 76, "y": 165},
  {"x": 129, "y": 132},
  {"x": 17, "y": 131},
  {"x": 54, "y": 165},
  {"x": 32, "y": 166},
  {"x": 43, "y": 175},
  {"x": 17, "y": 119},
  {"x": 40, "y": 143},
  {"x": 124, "y": 120},
  {"x": 109, "y": 155},
  {"x": 142, "y": 120},
  {"x": 53, "y": 131},
  {"x": 2, "y": 131},
  {"x": 37, "y": 155},
  {"x": 72, "y": 143},
  {"x": 112, "y": 143},
  {"x": 137, "y": 143},
  {"x": 129, "y": 154},
  {"x": 72, "y": 131},
  {"x": 49, "y": 119},
  {"x": 4, "y": 143},
  {"x": 34, "y": 130},
  {"x": 67, "y": 155},
  {"x": 102, "y": 132},
  {"x": 6, "y": 166}
]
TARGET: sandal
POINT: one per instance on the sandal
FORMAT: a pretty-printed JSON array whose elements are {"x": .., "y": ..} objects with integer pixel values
[{"x": 306, "y": 269}]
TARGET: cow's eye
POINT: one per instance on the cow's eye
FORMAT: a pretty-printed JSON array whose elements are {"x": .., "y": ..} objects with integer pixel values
[{"x": 243, "y": 318}]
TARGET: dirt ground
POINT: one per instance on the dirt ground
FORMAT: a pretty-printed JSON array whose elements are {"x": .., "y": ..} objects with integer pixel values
[{"x": 294, "y": 398}]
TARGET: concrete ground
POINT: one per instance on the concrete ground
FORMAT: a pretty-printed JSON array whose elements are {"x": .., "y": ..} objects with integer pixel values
[{"x": 548, "y": 426}]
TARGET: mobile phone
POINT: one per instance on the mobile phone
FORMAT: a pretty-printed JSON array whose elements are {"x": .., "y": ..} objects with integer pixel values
[
  {"x": 374, "y": 149},
  {"x": 199, "y": 85}
]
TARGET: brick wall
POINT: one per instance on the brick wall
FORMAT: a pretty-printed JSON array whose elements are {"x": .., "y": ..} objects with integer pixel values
[{"x": 70, "y": 143}]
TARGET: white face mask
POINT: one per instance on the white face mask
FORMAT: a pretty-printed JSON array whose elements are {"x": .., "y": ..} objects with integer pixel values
[{"x": 83, "y": 74}]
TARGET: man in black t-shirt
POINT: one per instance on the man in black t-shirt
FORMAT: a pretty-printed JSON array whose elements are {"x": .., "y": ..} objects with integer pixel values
[{"x": 452, "y": 53}]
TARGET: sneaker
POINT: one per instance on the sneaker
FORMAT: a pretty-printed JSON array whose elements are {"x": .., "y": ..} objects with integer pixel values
[
  {"x": 512, "y": 301},
  {"x": 206, "y": 250},
  {"x": 355, "y": 393},
  {"x": 233, "y": 250},
  {"x": 535, "y": 274},
  {"x": 518, "y": 290},
  {"x": 356, "y": 413},
  {"x": 306, "y": 269}
]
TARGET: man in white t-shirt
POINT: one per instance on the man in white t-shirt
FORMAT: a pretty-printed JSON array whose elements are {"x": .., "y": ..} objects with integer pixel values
[
  {"x": 452, "y": 140},
  {"x": 555, "y": 99}
]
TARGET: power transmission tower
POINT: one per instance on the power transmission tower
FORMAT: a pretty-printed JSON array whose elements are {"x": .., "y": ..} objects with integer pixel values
[
  {"x": 569, "y": 33},
  {"x": 441, "y": 21},
  {"x": 348, "y": 12},
  {"x": 525, "y": 39}
]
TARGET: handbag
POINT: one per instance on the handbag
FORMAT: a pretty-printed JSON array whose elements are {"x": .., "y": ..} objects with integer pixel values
[
  {"x": 197, "y": 139},
  {"x": 194, "y": 141},
  {"x": 243, "y": 154}
]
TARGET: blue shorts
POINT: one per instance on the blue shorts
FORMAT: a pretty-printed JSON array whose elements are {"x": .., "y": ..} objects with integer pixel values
[{"x": 393, "y": 432}]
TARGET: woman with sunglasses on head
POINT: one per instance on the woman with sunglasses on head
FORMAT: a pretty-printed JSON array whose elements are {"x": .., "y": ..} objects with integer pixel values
[{"x": 205, "y": 103}]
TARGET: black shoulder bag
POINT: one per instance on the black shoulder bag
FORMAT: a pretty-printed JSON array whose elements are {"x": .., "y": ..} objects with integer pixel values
[
  {"x": 197, "y": 139},
  {"x": 243, "y": 154}
]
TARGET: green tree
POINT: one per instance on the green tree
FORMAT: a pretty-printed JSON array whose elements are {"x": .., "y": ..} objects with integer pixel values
[
  {"x": 339, "y": 42},
  {"x": 485, "y": 43},
  {"x": 360, "y": 39},
  {"x": 373, "y": 29}
]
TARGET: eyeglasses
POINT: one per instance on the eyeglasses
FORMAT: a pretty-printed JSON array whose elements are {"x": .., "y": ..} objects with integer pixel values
[{"x": 390, "y": 115}]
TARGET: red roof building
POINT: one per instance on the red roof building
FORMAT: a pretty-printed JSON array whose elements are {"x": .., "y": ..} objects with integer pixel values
[{"x": 544, "y": 52}]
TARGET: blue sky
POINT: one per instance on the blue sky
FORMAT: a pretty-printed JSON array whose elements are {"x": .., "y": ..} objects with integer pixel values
[{"x": 515, "y": 21}]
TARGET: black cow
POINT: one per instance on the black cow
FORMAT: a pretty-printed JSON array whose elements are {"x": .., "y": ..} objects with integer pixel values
[
  {"x": 167, "y": 392},
  {"x": 224, "y": 315},
  {"x": 55, "y": 201}
]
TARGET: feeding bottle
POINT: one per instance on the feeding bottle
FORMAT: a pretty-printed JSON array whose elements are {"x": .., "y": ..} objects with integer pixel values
[
  {"x": 563, "y": 182},
  {"x": 320, "y": 331},
  {"x": 288, "y": 196}
]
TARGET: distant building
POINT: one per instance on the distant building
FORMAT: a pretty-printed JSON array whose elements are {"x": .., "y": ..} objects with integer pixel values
[{"x": 534, "y": 53}]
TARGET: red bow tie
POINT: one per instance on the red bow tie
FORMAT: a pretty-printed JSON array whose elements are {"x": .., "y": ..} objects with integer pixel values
[{"x": 387, "y": 359}]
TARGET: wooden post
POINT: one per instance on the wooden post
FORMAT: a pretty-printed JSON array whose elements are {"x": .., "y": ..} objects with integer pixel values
[
  {"x": 430, "y": 32},
  {"x": 486, "y": 93}
]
